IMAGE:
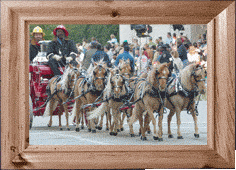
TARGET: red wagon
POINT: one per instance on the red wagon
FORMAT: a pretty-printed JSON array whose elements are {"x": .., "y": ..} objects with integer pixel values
[{"x": 40, "y": 74}]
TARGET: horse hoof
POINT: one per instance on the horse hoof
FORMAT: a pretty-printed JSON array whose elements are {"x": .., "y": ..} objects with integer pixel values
[
  {"x": 122, "y": 129},
  {"x": 115, "y": 133},
  {"x": 68, "y": 128},
  {"x": 111, "y": 133},
  {"x": 160, "y": 139},
  {"x": 132, "y": 135},
  {"x": 77, "y": 129},
  {"x": 170, "y": 136},
  {"x": 118, "y": 130},
  {"x": 93, "y": 131},
  {"x": 155, "y": 137},
  {"x": 180, "y": 137},
  {"x": 149, "y": 132},
  {"x": 99, "y": 128},
  {"x": 143, "y": 138},
  {"x": 82, "y": 127},
  {"x": 61, "y": 129},
  {"x": 89, "y": 130},
  {"x": 196, "y": 135},
  {"x": 107, "y": 129},
  {"x": 96, "y": 127},
  {"x": 49, "y": 125}
]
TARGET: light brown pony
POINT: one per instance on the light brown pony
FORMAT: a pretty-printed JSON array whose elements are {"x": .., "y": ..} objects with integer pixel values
[
  {"x": 148, "y": 93},
  {"x": 115, "y": 88},
  {"x": 58, "y": 90},
  {"x": 192, "y": 79},
  {"x": 95, "y": 84},
  {"x": 125, "y": 70}
]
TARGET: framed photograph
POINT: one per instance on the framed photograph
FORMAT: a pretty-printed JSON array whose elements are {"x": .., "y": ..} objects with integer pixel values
[{"x": 16, "y": 16}]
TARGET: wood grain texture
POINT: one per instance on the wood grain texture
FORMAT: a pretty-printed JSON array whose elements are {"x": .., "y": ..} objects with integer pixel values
[
  {"x": 16, "y": 17},
  {"x": 225, "y": 83}
]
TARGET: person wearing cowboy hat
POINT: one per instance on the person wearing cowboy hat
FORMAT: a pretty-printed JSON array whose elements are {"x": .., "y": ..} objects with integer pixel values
[
  {"x": 38, "y": 35},
  {"x": 61, "y": 50}
]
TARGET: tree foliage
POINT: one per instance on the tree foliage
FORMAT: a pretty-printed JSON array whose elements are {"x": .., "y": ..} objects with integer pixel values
[{"x": 79, "y": 32}]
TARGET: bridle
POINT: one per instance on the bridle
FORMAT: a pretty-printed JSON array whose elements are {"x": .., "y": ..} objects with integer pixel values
[
  {"x": 100, "y": 78},
  {"x": 195, "y": 76}
]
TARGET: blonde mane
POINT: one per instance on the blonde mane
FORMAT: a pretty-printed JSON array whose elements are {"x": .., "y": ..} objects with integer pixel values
[{"x": 65, "y": 79}]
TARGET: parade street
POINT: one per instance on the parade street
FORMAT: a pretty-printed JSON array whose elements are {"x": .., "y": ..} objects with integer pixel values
[{"x": 41, "y": 134}]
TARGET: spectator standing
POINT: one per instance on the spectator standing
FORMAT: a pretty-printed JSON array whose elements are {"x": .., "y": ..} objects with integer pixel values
[
  {"x": 113, "y": 39},
  {"x": 176, "y": 60},
  {"x": 169, "y": 39},
  {"x": 107, "y": 49},
  {"x": 182, "y": 52},
  {"x": 174, "y": 39},
  {"x": 142, "y": 63},
  {"x": 88, "y": 55},
  {"x": 150, "y": 42},
  {"x": 101, "y": 55},
  {"x": 160, "y": 42},
  {"x": 125, "y": 56}
]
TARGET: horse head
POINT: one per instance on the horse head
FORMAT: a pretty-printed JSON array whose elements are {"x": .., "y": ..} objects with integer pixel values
[
  {"x": 198, "y": 76},
  {"x": 161, "y": 75},
  {"x": 125, "y": 69},
  {"x": 99, "y": 75},
  {"x": 117, "y": 82}
]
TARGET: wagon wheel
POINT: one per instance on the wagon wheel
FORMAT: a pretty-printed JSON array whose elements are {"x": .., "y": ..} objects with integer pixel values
[{"x": 30, "y": 111}]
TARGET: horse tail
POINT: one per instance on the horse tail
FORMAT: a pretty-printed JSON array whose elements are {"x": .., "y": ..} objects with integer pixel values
[
  {"x": 47, "y": 109},
  {"x": 98, "y": 111}
]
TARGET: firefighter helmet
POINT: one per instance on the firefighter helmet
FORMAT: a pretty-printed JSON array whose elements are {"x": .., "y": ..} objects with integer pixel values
[
  {"x": 38, "y": 30},
  {"x": 61, "y": 27}
]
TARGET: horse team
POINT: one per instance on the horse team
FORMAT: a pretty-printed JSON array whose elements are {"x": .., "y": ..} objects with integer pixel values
[{"x": 107, "y": 91}]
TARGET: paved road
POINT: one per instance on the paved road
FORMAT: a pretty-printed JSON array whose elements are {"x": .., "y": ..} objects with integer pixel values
[{"x": 40, "y": 134}]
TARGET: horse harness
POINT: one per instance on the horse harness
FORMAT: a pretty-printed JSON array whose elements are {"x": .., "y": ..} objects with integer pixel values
[{"x": 179, "y": 89}]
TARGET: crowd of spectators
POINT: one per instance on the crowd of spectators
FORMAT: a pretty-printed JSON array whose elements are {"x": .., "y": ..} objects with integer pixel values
[{"x": 177, "y": 48}]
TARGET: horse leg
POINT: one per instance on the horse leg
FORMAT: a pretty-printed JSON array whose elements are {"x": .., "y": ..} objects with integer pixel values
[
  {"x": 67, "y": 116},
  {"x": 82, "y": 119},
  {"x": 142, "y": 129},
  {"x": 59, "y": 115},
  {"x": 77, "y": 111},
  {"x": 92, "y": 124},
  {"x": 151, "y": 115},
  {"x": 146, "y": 123},
  {"x": 122, "y": 121},
  {"x": 169, "y": 118},
  {"x": 101, "y": 122},
  {"x": 178, "y": 124},
  {"x": 160, "y": 132},
  {"x": 133, "y": 119},
  {"x": 50, "y": 112}
]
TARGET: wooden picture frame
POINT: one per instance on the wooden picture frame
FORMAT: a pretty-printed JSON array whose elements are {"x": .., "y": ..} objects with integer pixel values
[{"x": 15, "y": 19}]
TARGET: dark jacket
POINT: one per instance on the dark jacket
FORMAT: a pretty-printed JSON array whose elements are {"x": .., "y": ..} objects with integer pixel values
[
  {"x": 34, "y": 49},
  {"x": 66, "y": 48},
  {"x": 182, "y": 52},
  {"x": 101, "y": 55},
  {"x": 88, "y": 57},
  {"x": 166, "y": 58},
  {"x": 125, "y": 55}
]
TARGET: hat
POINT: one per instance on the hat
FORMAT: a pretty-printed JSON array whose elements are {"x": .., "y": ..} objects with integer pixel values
[
  {"x": 38, "y": 30},
  {"x": 62, "y": 28},
  {"x": 150, "y": 38}
]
